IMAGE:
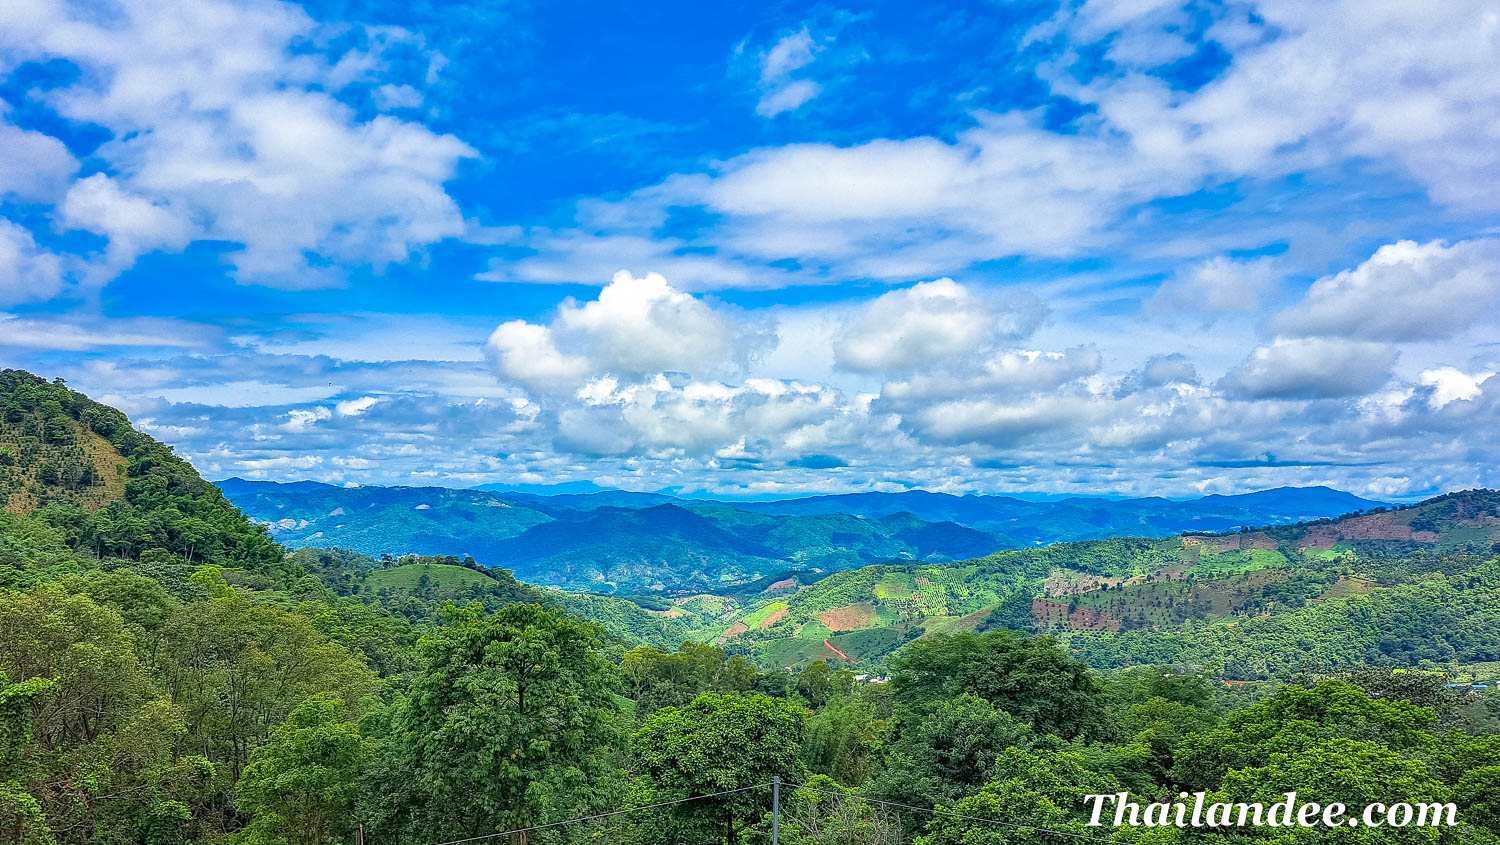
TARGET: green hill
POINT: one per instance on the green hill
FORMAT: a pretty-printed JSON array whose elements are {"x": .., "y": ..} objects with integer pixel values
[
  {"x": 1195, "y": 597},
  {"x": 110, "y": 490}
]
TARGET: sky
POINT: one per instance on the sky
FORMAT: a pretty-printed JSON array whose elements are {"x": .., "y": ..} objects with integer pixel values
[{"x": 1113, "y": 248}]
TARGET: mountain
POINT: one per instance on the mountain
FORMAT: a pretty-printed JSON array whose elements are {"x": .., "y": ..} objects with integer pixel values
[
  {"x": 110, "y": 491},
  {"x": 590, "y": 541},
  {"x": 1022, "y": 523},
  {"x": 626, "y": 541},
  {"x": 1395, "y": 586}
]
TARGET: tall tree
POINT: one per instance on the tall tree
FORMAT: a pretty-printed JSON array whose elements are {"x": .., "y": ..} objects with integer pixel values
[
  {"x": 301, "y": 786},
  {"x": 511, "y": 725},
  {"x": 717, "y": 743}
]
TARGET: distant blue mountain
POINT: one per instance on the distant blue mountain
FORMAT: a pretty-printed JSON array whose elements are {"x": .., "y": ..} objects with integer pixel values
[{"x": 615, "y": 539}]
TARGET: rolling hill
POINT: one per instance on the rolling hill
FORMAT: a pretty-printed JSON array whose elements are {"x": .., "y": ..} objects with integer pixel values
[{"x": 1245, "y": 599}]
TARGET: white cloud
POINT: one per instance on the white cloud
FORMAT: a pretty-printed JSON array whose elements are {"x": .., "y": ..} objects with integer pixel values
[
  {"x": 526, "y": 353},
  {"x": 1355, "y": 93},
  {"x": 390, "y": 97},
  {"x": 1009, "y": 374},
  {"x": 225, "y": 127},
  {"x": 301, "y": 420},
  {"x": 1172, "y": 368},
  {"x": 1450, "y": 384},
  {"x": 1218, "y": 285},
  {"x": 1405, "y": 291},
  {"x": 1312, "y": 368},
  {"x": 788, "y": 97},
  {"x": 779, "y": 91},
  {"x": 35, "y": 167},
  {"x": 636, "y": 328},
  {"x": 916, "y": 327},
  {"x": 27, "y": 272},
  {"x": 133, "y": 224},
  {"x": 73, "y": 333},
  {"x": 355, "y": 407}
]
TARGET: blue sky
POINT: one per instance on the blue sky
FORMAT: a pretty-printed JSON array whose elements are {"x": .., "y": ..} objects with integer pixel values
[{"x": 1116, "y": 248}]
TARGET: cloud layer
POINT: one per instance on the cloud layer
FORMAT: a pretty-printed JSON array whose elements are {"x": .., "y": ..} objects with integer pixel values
[{"x": 1104, "y": 248}]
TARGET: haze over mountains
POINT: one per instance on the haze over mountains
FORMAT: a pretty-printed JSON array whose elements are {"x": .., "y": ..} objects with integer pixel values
[{"x": 619, "y": 540}]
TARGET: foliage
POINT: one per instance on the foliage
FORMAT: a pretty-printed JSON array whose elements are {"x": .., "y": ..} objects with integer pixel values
[
  {"x": 1030, "y": 677},
  {"x": 1034, "y": 796},
  {"x": 511, "y": 724},
  {"x": 302, "y": 784},
  {"x": 718, "y": 742}
]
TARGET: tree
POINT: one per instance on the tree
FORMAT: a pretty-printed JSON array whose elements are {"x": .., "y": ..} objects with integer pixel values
[
  {"x": 1296, "y": 718},
  {"x": 237, "y": 668},
  {"x": 1032, "y": 794},
  {"x": 844, "y": 739},
  {"x": 511, "y": 725},
  {"x": 1032, "y": 678},
  {"x": 22, "y": 819},
  {"x": 825, "y": 813},
  {"x": 671, "y": 679},
  {"x": 301, "y": 786},
  {"x": 947, "y": 749},
  {"x": 716, "y": 743},
  {"x": 1355, "y": 773}
]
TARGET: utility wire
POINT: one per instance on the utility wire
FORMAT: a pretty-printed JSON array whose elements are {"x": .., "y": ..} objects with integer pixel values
[
  {"x": 604, "y": 815},
  {"x": 949, "y": 813},
  {"x": 789, "y": 786}
]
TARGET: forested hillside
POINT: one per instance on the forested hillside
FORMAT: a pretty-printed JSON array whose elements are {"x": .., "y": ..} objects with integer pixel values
[
  {"x": 169, "y": 675},
  {"x": 1402, "y": 587}
]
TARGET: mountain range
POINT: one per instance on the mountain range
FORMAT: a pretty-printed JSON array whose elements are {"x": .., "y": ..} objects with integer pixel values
[{"x": 631, "y": 542}]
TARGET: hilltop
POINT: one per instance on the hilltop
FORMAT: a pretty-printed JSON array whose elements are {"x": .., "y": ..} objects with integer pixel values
[{"x": 109, "y": 489}]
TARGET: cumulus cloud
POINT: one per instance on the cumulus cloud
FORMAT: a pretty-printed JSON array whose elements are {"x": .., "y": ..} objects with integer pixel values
[
  {"x": 355, "y": 407},
  {"x": 926, "y": 324},
  {"x": 226, "y": 127},
  {"x": 1008, "y": 373},
  {"x": 1450, "y": 384},
  {"x": 526, "y": 353},
  {"x": 1405, "y": 291},
  {"x": 1312, "y": 368},
  {"x": 636, "y": 328},
  {"x": 1172, "y": 368},
  {"x": 27, "y": 272}
]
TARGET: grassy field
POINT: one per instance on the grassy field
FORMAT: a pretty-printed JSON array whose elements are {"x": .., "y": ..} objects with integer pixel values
[{"x": 438, "y": 575}]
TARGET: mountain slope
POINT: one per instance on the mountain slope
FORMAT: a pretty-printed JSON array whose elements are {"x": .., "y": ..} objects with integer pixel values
[
  {"x": 1024, "y": 523},
  {"x": 1143, "y": 600},
  {"x": 110, "y": 490}
]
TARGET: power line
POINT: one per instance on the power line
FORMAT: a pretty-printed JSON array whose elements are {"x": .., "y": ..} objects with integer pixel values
[
  {"x": 897, "y": 804},
  {"x": 950, "y": 813},
  {"x": 604, "y": 815}
]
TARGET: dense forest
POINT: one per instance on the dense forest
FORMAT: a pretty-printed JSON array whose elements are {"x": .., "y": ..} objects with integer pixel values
[{"x": 170, "y": 675}]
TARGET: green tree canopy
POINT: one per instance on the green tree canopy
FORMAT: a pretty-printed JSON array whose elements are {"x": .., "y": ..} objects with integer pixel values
[
  {"x": 1032, "y": 678},
  {"x": 512, "y": 724},
  {"x": 716, "y": 743},
  {"x": 302, "y": 784}
]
